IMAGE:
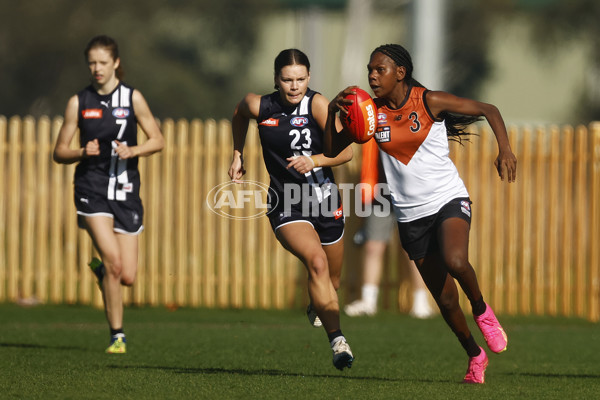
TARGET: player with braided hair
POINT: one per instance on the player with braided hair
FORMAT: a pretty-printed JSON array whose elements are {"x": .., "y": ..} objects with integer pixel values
[{"x": 432, "y": 204}]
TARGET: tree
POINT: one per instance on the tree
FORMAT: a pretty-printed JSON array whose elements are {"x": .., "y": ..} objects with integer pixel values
[{"x": 185, "y": 56}]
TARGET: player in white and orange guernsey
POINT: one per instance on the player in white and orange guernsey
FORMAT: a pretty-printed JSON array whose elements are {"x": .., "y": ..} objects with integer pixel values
[
  {"x": 431, "y": 202},
  {"x": 107, "y": 181}
]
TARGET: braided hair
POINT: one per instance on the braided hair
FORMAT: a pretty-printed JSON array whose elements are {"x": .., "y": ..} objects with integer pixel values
[{"x": 455, "y": 123}]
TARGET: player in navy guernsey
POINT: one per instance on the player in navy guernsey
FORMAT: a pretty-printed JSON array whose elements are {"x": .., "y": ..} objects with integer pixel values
[
  {"x": 306, "y": 214},
  {"x": 107, "y": 181}
]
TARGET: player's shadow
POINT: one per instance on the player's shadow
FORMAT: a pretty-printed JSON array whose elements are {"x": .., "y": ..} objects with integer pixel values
[
  {"x": 41, "y": 346},
  {"x": 554, "y": 375},
  {"x": 270, "y": 372}
]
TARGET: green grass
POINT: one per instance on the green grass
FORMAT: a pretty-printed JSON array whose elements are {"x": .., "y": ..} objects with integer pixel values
[{"x": 57, "y": 352}]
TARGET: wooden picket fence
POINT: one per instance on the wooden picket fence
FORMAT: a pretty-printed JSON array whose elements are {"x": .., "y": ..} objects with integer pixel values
[{"x": 534, "y": 243}]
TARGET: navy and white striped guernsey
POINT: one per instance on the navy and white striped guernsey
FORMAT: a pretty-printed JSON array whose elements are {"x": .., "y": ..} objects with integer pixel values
[{"x": 108, "y": 118}]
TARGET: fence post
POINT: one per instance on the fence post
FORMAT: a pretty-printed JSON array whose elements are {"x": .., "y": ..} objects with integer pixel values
[
  {"x": 566, "y": 246},
  {"x": 208, "y": 217},
  {"x": 581, "y": 220},
  {"x": 594, "y": 264},
  {"x": 553, "y": 207},
  {"x": 197, "y": 203},
  {"x": 13, "y": 207},
  {"x": 167, "y": 193},
  {"x": 3, "y": 249},
  {"x": 40, "y": 263},
  {"x": 512, "y": 234},
  {"x": 182, "y": 283}
]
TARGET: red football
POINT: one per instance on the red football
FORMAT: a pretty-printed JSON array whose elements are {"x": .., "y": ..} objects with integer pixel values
[{"x": 361, "y": 121}]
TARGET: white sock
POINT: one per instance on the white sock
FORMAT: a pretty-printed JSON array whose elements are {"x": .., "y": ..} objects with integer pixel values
[
  {"x": 420, "y": 298},
  {"x": 370, "y": 293},
  {"x": 337, "y": 339}
]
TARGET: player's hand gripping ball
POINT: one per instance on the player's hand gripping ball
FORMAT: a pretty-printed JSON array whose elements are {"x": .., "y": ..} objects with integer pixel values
[{"x": 360, "y": 122}]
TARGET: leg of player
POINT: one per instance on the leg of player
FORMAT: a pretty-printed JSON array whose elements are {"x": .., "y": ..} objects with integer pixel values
[
  {"x": 335, "y": 260},
  {"x": 128, "y": 245},
  {"x": 373, "y": 254},
  {"x": 302, "y": 240},
  {"x": 420, "y": 307},
  {"x": 101, "y": 231},
  {"x": 454, "y": 243},
  {"x": 445, "y": 293},
  {"x": 335, "y": 254}
]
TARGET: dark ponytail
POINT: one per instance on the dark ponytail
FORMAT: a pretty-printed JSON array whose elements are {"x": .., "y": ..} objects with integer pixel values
[
  {"x": 455, "y": 123},
  {"x": 290, "y": 57}
]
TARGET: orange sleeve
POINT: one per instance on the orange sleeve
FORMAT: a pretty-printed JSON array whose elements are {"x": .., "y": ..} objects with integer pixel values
[{"x": 369, "y": 173}]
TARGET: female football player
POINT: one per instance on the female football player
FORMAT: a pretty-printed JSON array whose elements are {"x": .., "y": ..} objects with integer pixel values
[
  {"x": 290, "y": 125},
  {"x": 431, "y": 202},
  {"x": 107, "y": 181}
]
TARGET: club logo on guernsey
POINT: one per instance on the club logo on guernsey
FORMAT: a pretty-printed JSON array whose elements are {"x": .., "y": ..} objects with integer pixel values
[
  {"x": 92, "y": 113},
  {"x": 270, "y": 122},
  {"x": 120, "y": 112},
  {"x": 299, "y": 122}
]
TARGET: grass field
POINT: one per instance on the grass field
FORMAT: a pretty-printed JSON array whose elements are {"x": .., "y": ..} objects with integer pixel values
[{"x": 57, "y": 352}]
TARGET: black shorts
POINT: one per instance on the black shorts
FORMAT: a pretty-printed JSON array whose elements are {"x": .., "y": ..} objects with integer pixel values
[
  {"x": 419, "y": 237},
  {"x": 127, "y": 215},
  {"x": 329, "y": 229}
]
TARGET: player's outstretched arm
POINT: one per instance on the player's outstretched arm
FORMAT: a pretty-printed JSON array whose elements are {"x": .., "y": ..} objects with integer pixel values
[{"x": 506, "y": 162}]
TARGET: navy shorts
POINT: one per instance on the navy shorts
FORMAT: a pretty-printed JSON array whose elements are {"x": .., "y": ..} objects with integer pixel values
[
  {"x": 329, "y": 228},
  {"x": 419, "y": 237},
  {"x": 127, "y": 215}
]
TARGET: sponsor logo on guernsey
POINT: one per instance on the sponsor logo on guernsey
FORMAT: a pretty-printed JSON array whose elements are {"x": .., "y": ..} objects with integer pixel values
[
  {"x": 381, "y": 118},
  {"x": 465, "y": 207},
  {"x": 120, "y": 112},
  {"x": 270, "y": 122},
  {"x": 299, "y": 122},
  {"x": 383, "y": 134},
  {"x": 371, "y": 120},
  {"x": 91, "y": 113},
  {"x": 339, "y": 213}
]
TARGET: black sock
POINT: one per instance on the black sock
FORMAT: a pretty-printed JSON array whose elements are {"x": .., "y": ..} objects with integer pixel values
[
  {"x": 478, "y": 307},
  {"x": 334, "y": 334},
  {"x": 113, "y": 332},
  {"x": 470, "y": 346}
]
